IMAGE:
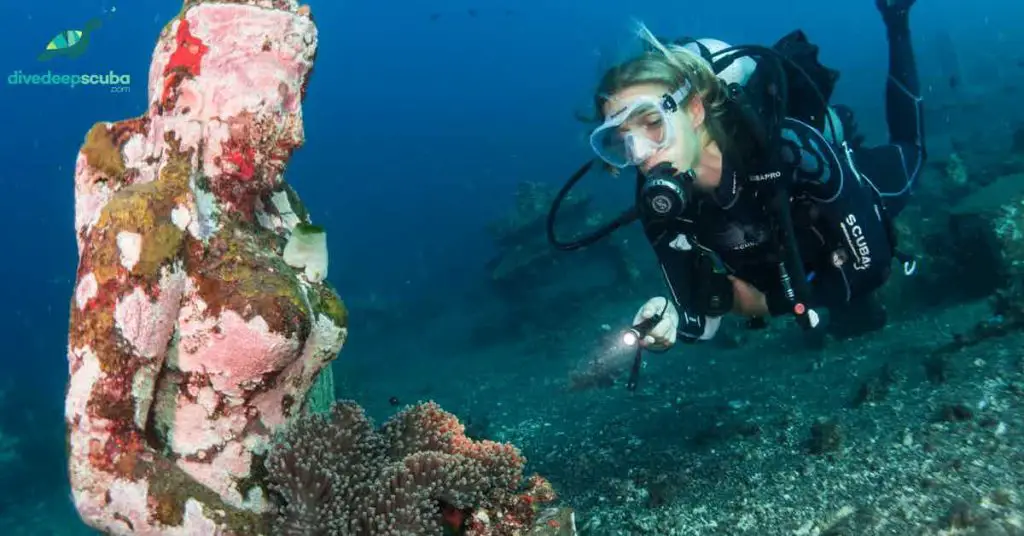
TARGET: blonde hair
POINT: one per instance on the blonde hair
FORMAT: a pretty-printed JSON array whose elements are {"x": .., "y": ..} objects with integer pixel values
[{"x": 671, "y": 66}]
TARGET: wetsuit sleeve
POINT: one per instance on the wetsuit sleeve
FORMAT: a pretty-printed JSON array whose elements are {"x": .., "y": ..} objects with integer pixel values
[{"x": 677, "y": 257}]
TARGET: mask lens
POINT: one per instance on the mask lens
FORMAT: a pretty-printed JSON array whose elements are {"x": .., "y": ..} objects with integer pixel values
[
  {"x": 647, "y": 122},
  {"x": 631, "y": 136}
]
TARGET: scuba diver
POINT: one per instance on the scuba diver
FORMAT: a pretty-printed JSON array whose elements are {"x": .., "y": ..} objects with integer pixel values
[{"x": 758, "y": 197}]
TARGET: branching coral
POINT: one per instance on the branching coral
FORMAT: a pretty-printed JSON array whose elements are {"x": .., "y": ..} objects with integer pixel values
[{"x": 335, "y": 474}]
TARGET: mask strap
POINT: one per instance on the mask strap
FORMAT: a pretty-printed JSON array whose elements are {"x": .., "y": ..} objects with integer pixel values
[{"x": 671, "y": 103}]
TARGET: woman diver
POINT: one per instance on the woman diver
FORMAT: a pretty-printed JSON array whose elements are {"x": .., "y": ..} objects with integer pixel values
[{"x": 757, "y": 196}]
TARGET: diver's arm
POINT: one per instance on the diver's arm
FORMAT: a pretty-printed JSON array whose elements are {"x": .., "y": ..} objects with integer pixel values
[{"x": 676, "y": 258}]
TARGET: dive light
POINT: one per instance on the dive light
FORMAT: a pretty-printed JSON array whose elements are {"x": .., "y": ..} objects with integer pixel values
[
  {"x": 632, "y": 337},
  {"x": 636, "y": 333}
]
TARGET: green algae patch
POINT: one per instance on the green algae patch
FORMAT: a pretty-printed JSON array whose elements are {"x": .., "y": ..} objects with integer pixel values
[
  {"x": 144, "y": 209},
  {"x": 101, "y": 153},
  {"x": 236, "y": 273},
  {"x": 329, "y": 303}
]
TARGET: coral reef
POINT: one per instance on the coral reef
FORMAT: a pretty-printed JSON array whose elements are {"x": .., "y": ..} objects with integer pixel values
[
  {"x": 191, "y": 339},
  {"x": 418, "y": 474}
]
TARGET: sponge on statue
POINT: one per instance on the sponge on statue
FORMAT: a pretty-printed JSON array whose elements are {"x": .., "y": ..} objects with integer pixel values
[{"x": 307, "y": 248}]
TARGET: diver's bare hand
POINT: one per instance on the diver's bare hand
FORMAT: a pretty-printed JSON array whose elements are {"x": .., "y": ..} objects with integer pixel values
[
  {"x": 663, "y": 335},
  {"x": 747, "y": 299}
]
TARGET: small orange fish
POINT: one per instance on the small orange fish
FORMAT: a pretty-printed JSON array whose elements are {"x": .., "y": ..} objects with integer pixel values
[{"x": 454, "y": 519}]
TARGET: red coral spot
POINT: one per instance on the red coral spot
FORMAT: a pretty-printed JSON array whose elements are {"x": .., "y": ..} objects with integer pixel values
[
  {"x": 243, "y": 161},
  {"x": 186, "y": 59}
]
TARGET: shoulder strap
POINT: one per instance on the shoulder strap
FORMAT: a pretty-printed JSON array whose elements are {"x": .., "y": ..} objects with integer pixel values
[{"x": 810, "y": 84}]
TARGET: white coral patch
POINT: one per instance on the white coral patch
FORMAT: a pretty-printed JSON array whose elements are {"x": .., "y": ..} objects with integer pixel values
[
  {"x": 130, "y": 499},
  {"x": 208, "y": 399},
  {"x": 129, "y": 245},
  {"x": 265, "y": 219},
  {"x": 87, "y": 289},
  {"x": 284, "y": 208},
  {"x": 256, "y": 500},
  {"x": 204, "y": 222},
  {"x": 326, "y": 338},
  {"x": 147, "y": 324},
  {"x": 91, "y": 194},
  {"x": 143, "y": 384},
  {"x": 81, "y": 382},
  {"x": 216, "y": 134},
  {"x": 134, "y": 151},
  {"x": 189, "y": 134},
  {"x": 307, "y": 249},
  {"x": 196, "y": 521},
  {"x": 181, "y": 217}
]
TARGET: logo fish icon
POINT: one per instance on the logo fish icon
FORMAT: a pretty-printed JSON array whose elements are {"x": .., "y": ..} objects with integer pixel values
[{"x": 70, "y": 43}]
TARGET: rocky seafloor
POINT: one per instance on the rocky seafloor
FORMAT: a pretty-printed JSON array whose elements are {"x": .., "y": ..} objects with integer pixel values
[{"x": 888, "y": 434}]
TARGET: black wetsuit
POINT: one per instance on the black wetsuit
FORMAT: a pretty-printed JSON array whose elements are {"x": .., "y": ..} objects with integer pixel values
[{"x": 844, "y": 196}]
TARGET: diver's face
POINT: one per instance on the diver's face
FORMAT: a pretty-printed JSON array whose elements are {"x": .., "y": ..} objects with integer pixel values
[{"x": 683, "y": 151}]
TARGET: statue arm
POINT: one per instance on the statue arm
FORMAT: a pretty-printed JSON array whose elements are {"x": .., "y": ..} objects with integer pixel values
[{"x": 128, "y": 292}]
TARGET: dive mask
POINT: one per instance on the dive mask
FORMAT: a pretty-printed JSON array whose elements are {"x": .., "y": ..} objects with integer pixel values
[{"x": 644, "y": 126}]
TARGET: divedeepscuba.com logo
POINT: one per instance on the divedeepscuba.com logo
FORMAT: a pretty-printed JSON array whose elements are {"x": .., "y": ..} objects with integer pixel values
[
  {"x": 118, "y": 83},
  {"x": 71, "y": 44}
]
